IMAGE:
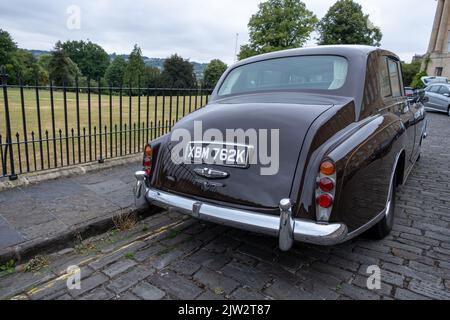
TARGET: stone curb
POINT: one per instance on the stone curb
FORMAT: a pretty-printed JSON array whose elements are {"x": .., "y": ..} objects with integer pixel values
[
  {"x": 25, "y": 251},
  {"x": 33, "y": 178}
]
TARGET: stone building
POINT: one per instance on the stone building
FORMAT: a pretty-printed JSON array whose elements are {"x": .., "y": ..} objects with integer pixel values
[{"x": 438, "y": 62}]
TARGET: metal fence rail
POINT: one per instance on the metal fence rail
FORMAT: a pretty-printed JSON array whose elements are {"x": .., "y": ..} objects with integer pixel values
[{"x": 48, "y": 127}]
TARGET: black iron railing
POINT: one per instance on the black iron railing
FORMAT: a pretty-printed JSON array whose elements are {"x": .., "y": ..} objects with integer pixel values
[{"x": 48, "y": 127}]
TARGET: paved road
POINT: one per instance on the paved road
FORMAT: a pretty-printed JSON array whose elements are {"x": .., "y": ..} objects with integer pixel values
[{"x": 170, "y": 257}]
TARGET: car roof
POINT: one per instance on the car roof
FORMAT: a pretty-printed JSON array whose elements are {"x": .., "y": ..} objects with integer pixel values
[{"x": 340, "y": 50}]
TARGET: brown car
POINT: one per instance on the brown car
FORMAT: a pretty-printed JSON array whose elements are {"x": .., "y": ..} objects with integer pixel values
[{"x": 343, "y": 136}]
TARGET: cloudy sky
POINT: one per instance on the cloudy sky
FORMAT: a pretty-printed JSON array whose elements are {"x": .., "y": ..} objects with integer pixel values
[{"x": 197, "y": 29}]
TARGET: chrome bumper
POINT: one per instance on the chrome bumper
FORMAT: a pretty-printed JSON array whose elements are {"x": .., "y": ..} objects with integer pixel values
[{"x": 284, "y": 226}]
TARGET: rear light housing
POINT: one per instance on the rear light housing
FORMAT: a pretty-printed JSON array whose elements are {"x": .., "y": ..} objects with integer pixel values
[
  {"x": 148, "y": 159},
  {"x": 325, "y": 190}
]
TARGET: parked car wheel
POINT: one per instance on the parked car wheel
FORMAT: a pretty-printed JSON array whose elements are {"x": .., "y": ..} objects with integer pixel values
[{"x": 383, "y": 228}]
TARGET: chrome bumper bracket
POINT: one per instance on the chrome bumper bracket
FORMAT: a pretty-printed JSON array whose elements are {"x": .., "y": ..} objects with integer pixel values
[{"x": 287, "y": 225}]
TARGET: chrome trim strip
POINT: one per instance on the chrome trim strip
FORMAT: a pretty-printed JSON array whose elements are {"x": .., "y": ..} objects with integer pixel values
[
  {"x": 366, "y": 227},
  {"x": 285, "y": 227}
]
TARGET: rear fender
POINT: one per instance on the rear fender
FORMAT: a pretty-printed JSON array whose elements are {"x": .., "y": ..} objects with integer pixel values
[{"x": 365, "y": 164}]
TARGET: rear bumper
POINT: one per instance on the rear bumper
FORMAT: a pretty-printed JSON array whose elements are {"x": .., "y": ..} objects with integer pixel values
[{"x": 284, "y": 227}]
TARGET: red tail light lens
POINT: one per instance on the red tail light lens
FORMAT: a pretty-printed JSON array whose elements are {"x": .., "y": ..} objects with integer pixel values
[
  {"x": 326, "y": 184},
  {"x": 325, "y": 200}
]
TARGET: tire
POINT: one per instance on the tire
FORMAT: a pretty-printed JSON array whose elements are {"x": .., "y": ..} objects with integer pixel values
[{"x": 383, "y": 228}]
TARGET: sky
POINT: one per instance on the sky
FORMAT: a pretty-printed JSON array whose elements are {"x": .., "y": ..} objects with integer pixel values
[{"x": 200, "y": 30}]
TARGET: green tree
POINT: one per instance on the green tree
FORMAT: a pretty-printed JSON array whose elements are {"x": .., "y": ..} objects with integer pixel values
[
  {"x": 152, "y": 77},
  {"x": 62, "y": 69},
  {"x": 27, "y": 67},
  {"x": 116, "y": 71},
  {"x": 345, "y": 23},
  {"x": 7, "y": 48},
  {"x": 410, "y": 70},
  {"x": 278, "y": 25},
  {"x": 20, "y": 63},
  {"x": 178, "y": 73},
  {"x": 213, "y": 72},
  {"x": 91, "y": 59},
  {"x": 44, "y": 61},
  {"x": 135, "y": 68},
  {"x": 417, "y": 83}
]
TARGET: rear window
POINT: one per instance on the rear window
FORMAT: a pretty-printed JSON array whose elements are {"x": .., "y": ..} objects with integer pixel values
[{"x": 303, "y": 72}]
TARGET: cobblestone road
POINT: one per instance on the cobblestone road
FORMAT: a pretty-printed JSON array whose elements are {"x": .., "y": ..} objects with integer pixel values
[{"x": 171, "y": 257}]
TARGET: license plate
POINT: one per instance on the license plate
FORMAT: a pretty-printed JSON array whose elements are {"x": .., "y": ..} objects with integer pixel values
[{"x": 222, "y": 154}]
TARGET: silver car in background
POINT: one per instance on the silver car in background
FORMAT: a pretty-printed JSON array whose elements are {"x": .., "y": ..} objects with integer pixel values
[{"x": 438, "y": 97}]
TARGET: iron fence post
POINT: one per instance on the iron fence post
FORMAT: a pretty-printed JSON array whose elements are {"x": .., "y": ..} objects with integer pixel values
[
  {"x": 101, "y": 159},
  {"x": 9, "y": 146}
]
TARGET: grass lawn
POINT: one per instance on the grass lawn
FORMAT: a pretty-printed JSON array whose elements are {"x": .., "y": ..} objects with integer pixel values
[{"x": 111, "y": 113}]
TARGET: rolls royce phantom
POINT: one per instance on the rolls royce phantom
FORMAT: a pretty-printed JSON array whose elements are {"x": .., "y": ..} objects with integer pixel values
[{"x": 305, "y": 145}]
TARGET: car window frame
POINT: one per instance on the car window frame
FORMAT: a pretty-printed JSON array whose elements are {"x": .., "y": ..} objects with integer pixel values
[
  {"x": 384, "y": 62},
  {"x": 444, "y": 87},
  {"x": 396, "y": 64},
  {"x": 435, "y": 86}
]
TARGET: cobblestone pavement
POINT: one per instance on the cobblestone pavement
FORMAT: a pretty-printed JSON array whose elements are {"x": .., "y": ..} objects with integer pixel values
[
  {"x": 169, "y": 256},
  {"x": 31, "y": 215}
]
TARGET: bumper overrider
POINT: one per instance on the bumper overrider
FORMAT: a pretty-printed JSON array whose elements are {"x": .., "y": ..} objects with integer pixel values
[{"x": 285, "y": 227}]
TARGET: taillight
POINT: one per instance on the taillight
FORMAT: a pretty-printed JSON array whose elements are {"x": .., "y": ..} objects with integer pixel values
[
  {"x": 327, "y": 168},
  {"x": 325, "y": 190},
  {"x": 325, "y": 200},
  {"x": 147, "y": 162},
  {"x": 326, "y": 184}
]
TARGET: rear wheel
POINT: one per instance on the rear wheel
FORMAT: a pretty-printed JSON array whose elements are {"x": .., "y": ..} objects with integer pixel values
[{"x": 383, "y": 228}]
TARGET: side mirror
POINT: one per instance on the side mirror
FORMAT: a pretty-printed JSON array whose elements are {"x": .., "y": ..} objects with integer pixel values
[{"x": 425, "y": 99}]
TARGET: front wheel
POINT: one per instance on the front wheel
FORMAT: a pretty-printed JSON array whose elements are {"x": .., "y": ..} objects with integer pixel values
[{"x": 383, "y": 228}]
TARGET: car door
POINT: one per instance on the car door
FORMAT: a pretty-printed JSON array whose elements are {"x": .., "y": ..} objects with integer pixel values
[
  {"x": 442, "y": 98},
  {"x": 418, "y": 112},
  {"x": 432, "y": 92},
  {"x": 402, "y": 106}
]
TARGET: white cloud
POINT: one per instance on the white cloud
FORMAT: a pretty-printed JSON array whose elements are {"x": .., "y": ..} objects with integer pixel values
[{"x": 196, "y": 29}]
